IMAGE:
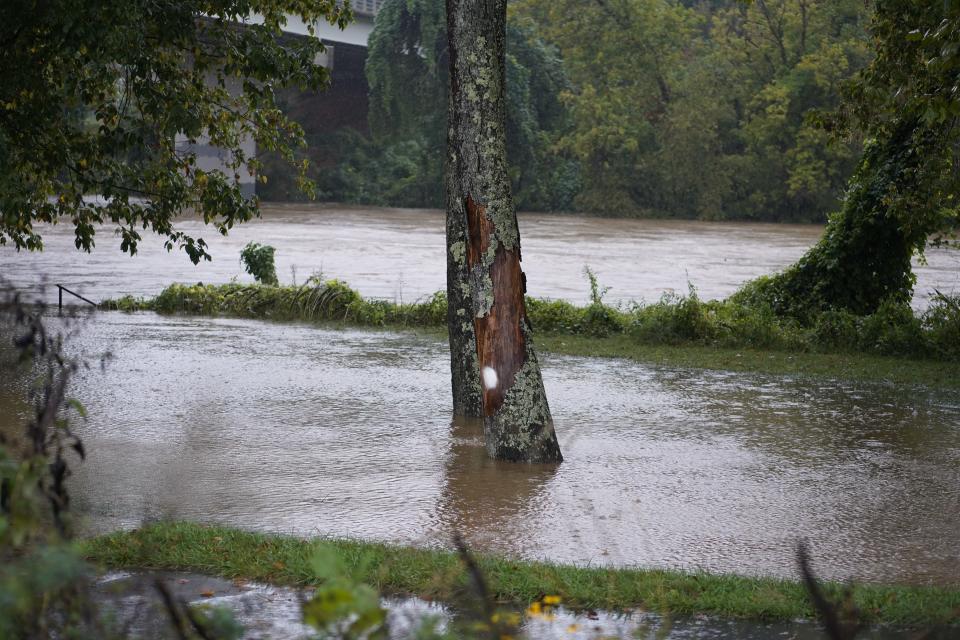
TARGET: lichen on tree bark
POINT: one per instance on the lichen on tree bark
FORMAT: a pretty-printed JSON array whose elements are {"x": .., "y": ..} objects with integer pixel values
[{"x": 492, "y": 353}]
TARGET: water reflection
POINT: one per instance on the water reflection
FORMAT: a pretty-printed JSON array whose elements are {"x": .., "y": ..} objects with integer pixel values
[{"x": 484, "y": 499}]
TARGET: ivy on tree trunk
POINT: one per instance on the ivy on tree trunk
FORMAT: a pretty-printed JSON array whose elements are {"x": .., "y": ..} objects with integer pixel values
[
  {"x": 864, "y": 256},
  {"x": 494, "y": 368}
]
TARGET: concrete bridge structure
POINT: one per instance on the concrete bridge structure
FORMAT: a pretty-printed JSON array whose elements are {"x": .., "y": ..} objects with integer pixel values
[{"x": 357, "y": 32}]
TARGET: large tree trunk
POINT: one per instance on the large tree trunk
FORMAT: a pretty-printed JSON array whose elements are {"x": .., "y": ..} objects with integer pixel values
[
  {"x": 464, "y": 372},
  {"x": 491, "y": 341}
]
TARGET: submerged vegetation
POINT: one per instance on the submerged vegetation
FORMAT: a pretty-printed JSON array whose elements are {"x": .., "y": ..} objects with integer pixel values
[
  {"x": 440, "y": 575},
  {"x": 677, "y": 320}
]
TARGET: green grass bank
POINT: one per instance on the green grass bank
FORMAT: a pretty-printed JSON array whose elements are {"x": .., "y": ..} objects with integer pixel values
[
  {"x": 893, "y": 345},
  {"x": 439, "y": 575}
]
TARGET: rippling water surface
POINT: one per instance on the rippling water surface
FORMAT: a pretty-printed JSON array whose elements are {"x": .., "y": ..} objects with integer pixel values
[
  {"x": 399, "y": 254},
  {"x": 297, "y": 429},
  {"x": 292, "y": 428}
]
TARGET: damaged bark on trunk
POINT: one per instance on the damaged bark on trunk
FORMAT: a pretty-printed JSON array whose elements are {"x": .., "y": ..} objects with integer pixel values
[{"x": 491, "y": 345}]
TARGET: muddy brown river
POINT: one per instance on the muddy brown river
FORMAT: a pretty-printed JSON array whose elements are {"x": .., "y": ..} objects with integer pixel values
[
  {"x": 298, "y": 429},
  {"x": 398, "y": 254}
]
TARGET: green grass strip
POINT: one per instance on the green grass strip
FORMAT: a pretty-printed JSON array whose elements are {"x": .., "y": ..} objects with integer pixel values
[
  {"x": 892, "y": 345},
  {"x": 838, "y": 366},
  {"x": 439, "y": 575}
]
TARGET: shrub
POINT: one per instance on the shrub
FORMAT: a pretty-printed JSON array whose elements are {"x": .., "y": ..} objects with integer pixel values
[
  {"x": 258, "y": 261},
  {"x": 941, "y": 324},
  {"x": 557, "y": 316},
  {"x": 892, "y": 330},
  {"x": 836, "y": 329},
  {"x": 756, "y": 327},
  {"x": 599, "y": 319},
  {"x": 674, "y": 319}
]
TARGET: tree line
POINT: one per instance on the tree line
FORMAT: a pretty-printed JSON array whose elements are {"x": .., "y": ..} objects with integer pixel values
[{"x": 662, "y": 108}]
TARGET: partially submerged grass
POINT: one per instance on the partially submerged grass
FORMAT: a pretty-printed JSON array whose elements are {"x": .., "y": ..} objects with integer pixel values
[
  {"x": 891, "y": 345},
  {"x": 439, "y": 575},
  {"x": 839, "y": 366},
  {"x": 316, "y": 301}
]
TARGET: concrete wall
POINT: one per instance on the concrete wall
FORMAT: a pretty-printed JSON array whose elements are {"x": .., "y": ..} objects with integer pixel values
[{"x": 342, "y": 104}]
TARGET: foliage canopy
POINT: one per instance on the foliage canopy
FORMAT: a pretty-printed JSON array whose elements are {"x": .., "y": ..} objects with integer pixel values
[
  {"x": 407, "y": 70},
  {"x": 106, "y": 98},
  {"x": 697, "y": 109}
]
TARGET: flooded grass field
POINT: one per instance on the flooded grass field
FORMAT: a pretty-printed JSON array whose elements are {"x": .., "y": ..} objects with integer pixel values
[{"x": 296, "y": 429}]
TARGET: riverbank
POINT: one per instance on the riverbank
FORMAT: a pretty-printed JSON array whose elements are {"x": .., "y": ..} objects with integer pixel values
[
  {"x": 893, "y": 345},
  {"x": 439, "y": 575}
]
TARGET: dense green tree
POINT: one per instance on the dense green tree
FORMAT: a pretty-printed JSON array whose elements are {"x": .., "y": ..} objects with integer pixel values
[
  {"x": 657, "y": 107},
  {"x": 698, "y": 108},
  {"x": 95, "y": 96},
  {"x": 407, "y": 72},
  {"x": 622, "y": 58},
  {"x": 783, "y": 60}
]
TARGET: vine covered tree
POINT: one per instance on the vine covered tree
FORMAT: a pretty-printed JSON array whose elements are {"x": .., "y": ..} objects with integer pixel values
[
  {"x": 490, "y": 335},
  {"x": 95, "y": 97},
  {"x": 906, "y": 186}
]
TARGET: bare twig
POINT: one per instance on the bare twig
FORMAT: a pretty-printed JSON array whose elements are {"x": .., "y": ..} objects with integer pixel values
[
  {"x": 478, "y": 581},
  {"x": 170, "y": 604},
  {"x": 828, "y": 612}
]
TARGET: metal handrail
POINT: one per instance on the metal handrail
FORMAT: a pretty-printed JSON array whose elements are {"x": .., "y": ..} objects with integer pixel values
[{"x": 61, "y": 289}]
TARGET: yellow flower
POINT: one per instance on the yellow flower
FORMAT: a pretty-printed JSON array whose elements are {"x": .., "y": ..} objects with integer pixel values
[{"x": 554, "y": 600}]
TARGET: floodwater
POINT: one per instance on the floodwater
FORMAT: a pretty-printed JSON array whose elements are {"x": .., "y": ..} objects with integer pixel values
[
  {"x": 297, "y": 429},
  {"x": 398, "y": 254}
]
